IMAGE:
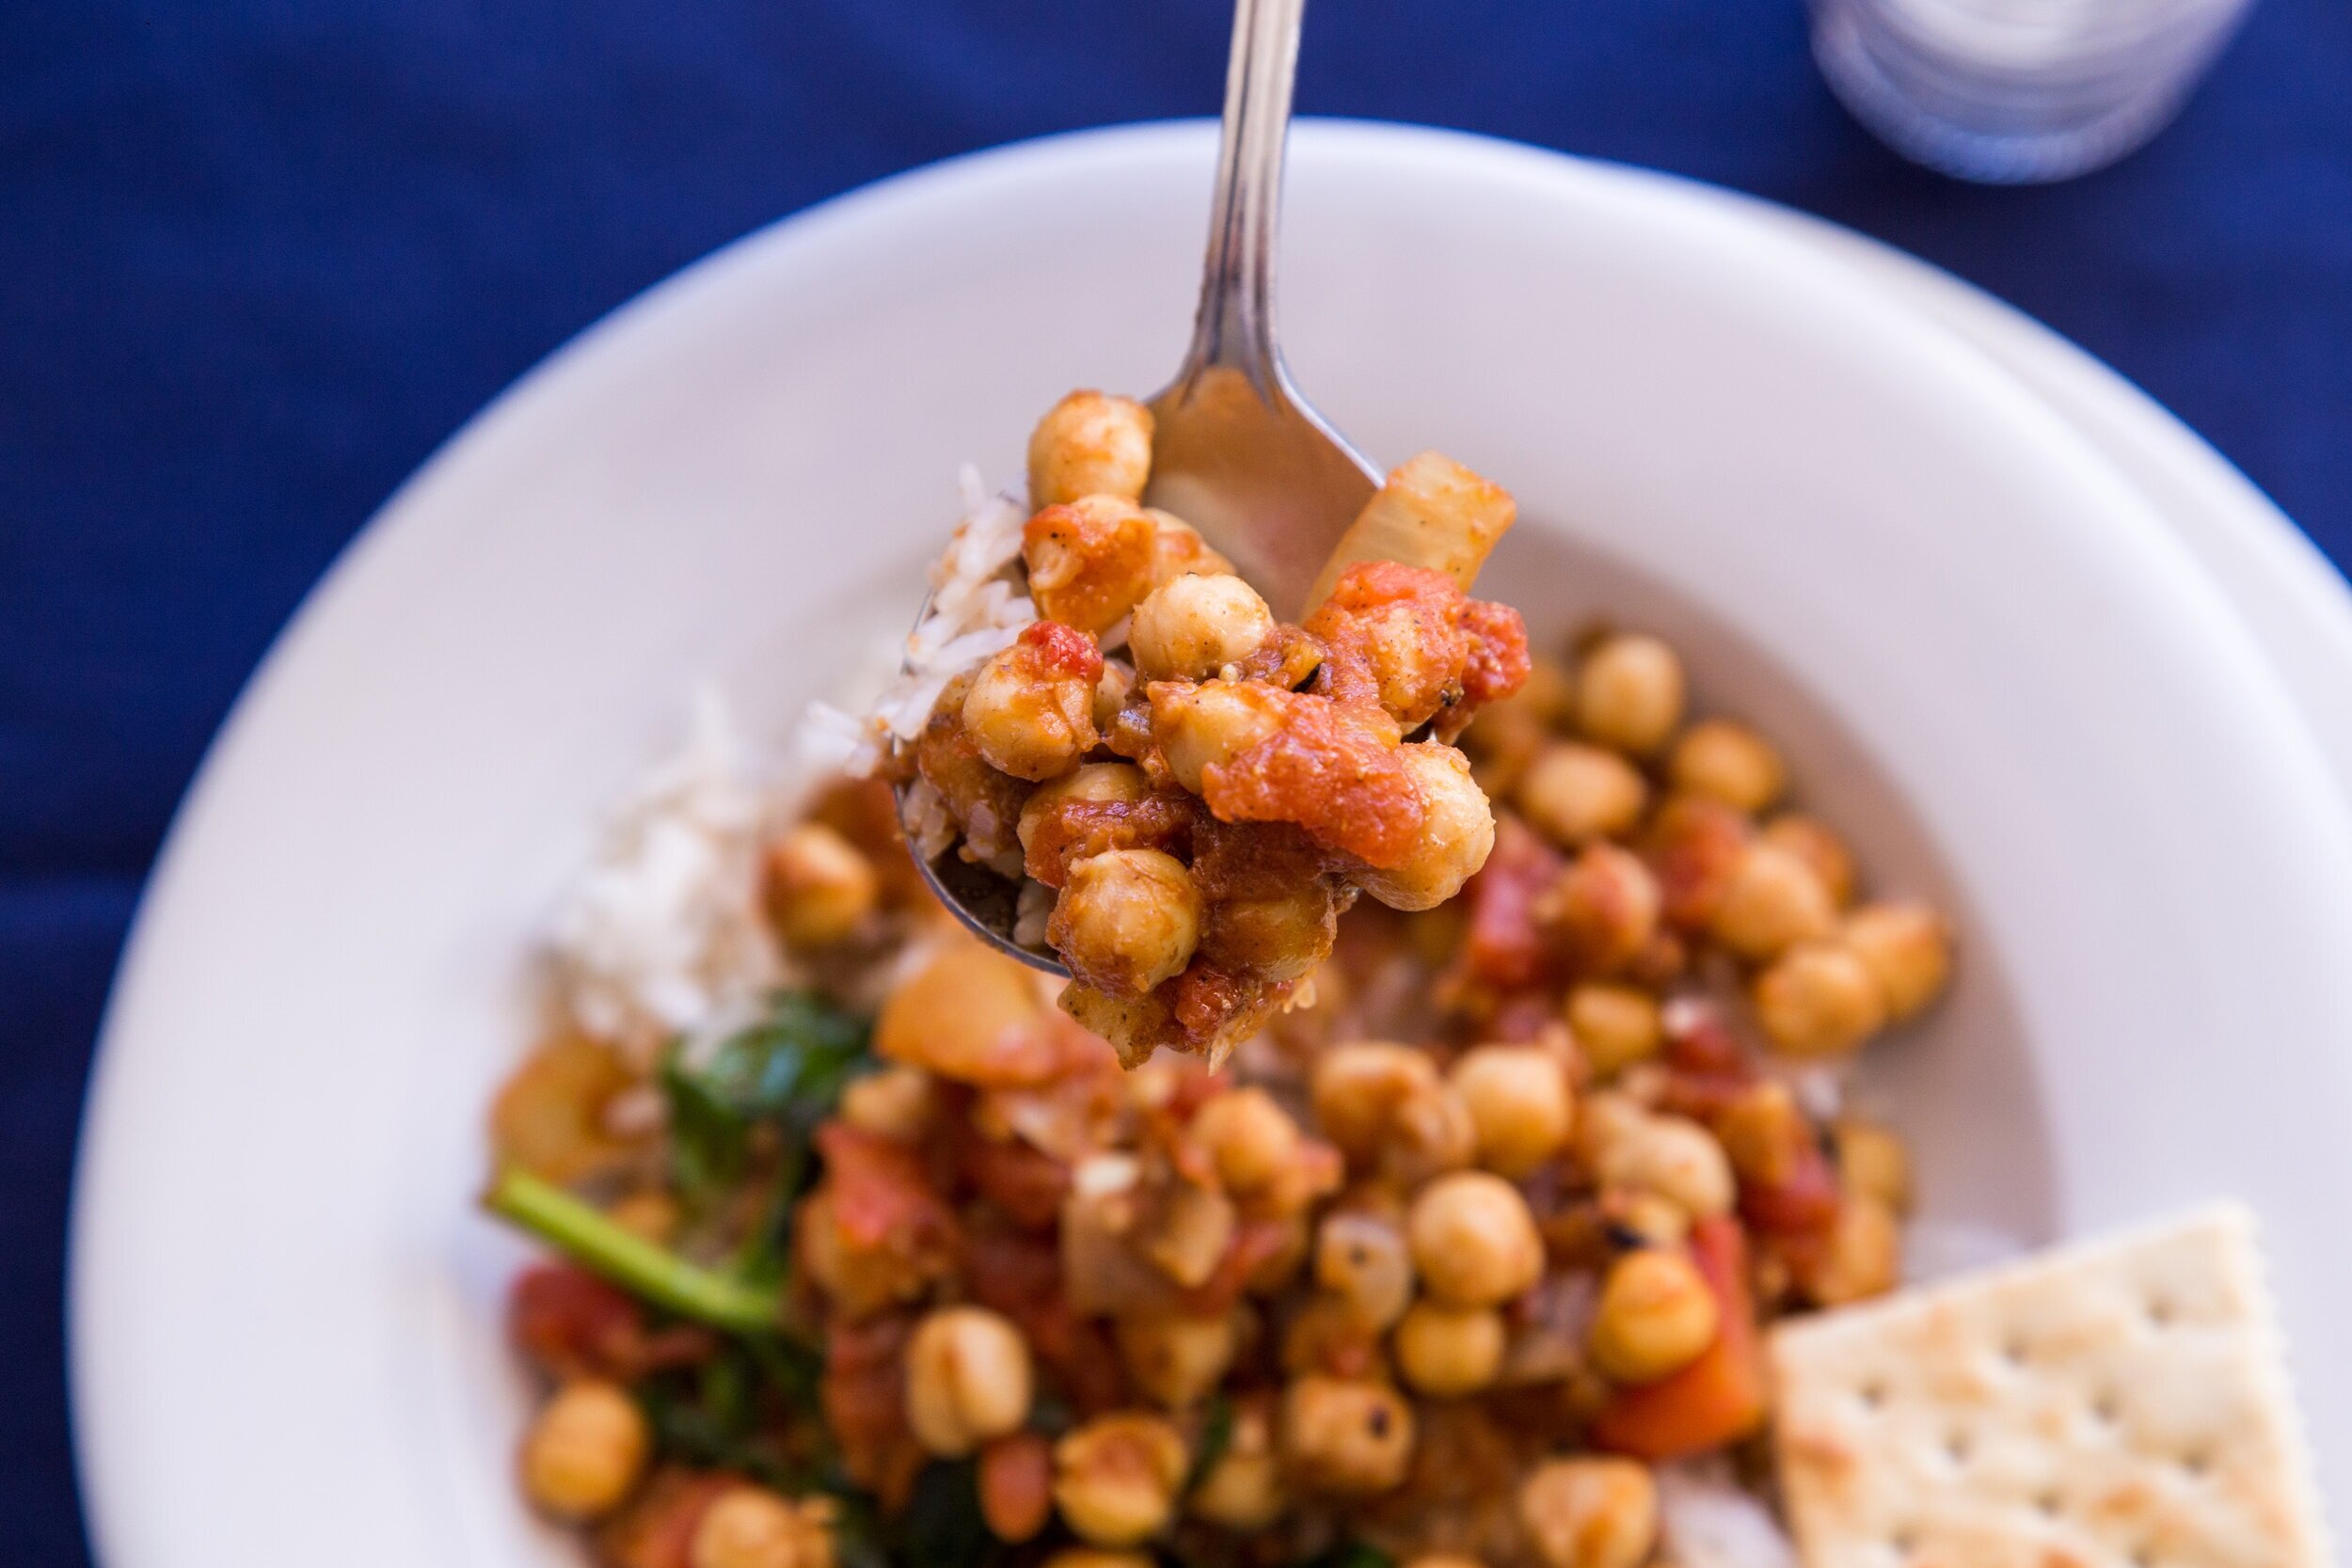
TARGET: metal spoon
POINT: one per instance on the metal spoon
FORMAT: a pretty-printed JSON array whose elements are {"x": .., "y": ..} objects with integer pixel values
[{"x": 1235, "y": 450}]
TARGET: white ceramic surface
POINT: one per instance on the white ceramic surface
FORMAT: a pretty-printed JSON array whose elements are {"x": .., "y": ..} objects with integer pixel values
[
  {"x": 2291, "y": 597},
  {"x": 1986, "y": 652}
]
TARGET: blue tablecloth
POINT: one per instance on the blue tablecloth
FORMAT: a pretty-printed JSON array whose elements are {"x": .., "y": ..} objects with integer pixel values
[{"x": 257, "y": 260}]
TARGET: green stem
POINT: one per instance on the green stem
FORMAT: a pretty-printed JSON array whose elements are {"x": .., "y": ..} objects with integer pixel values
[{"x": 582, "y": 1233}]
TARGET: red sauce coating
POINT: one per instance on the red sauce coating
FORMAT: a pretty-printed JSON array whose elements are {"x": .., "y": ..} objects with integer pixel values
[{"x": 1330, "y": 772}]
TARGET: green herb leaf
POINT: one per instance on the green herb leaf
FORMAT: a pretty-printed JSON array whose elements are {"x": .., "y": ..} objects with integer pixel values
[
  {"x": 1217, "y": 1436},
  {"x": 1350, "y": 1554},
  {"x": 941, "y": 1526},
  {"x": 789, "y": 1069},
  {"x": 654, "y": 1274}
]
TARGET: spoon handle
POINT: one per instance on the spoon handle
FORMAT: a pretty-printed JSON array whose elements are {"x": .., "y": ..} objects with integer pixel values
[{"x": 1236, "y": 324}]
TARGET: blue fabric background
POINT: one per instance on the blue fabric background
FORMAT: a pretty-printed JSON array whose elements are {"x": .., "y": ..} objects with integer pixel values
[{"x": 256, "y": 259}]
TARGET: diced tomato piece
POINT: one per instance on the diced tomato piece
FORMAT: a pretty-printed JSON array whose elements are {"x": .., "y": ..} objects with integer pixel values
[
  {"x": 1055, "y": 649},
  {"x": 1804, "y": 1204},
  {"x": 1499, "y": 662},
  {"x": 1717, "y": 1399},
  {"x": 864, "y": 1393},
  {"x": 1016, "y": 1485},
  {"x": 881, "y": 1193},
  {"x": 1700, "y": 1040},
  {"x": 1025, "y": 1182},
  {"x": 1019, "y": 1275},
  {"x": 1503, "y": 948},
  {"x": 574, "y": 1324}
]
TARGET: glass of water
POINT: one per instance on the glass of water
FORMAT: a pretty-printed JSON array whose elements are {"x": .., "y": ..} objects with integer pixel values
[{"x": 2018, "y": 90}]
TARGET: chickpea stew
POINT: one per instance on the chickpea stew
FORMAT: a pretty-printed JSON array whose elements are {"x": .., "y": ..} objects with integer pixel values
[
  {"x": 1463, "y": 1258},
  {"x": 1185, "y": 793}
]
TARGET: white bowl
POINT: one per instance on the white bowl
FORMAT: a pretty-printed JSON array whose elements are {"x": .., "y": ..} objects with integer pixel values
[{"x": 1984, "y": 655}]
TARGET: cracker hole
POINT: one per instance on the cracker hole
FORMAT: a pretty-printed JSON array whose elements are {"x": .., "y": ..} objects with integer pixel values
[
  {"x": 1872, "y": 1394},
  {"x": 1957, "y": 1447},
  {"x": 1903, "y": 1543},
  {"x": 2160, "y": 1312},
  {"x": 2196, "y": 1462},
  {"x": 2013, "y": 1352},
  {"x": 2106, "y": 1409},
  {"x": 2048, "y": 1505}
]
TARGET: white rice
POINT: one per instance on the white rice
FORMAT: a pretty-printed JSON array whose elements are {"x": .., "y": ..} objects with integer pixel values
[
  {"x": 976, "y": 609},
  {"x": 662, "y": 934}
]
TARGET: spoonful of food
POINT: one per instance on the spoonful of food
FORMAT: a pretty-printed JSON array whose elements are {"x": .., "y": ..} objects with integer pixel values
[{"x": 1155, "y": 736}]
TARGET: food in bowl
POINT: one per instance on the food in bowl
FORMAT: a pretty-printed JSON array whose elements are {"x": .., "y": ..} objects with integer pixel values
[
  {"x": 1181, "y": 792},
  {"x": 1468, "y": 1255}
]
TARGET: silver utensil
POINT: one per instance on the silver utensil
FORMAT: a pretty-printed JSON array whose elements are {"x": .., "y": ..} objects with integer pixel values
[{"x": 1235, "y": 450}]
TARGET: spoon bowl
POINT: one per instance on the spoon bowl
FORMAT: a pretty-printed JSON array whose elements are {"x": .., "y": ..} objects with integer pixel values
[{"x": 1235, "y": 450}]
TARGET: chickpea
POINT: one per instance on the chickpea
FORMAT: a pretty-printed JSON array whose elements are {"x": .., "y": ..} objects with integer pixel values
[
  {"x": 1697, "y": 845},
  {"x": 1456, "y": 837},
  {"x": 1089, "y": 561},
  {"x": 1764, "y": 1134},
  {"x": 1573, "y": 793},
  {"x": 1177, "y": 1360},
  {"x": 896, "y": 1103},
  {"x": 1325, "y": 1335},
  {"x": 1347, "y": 1436},
  {"x": 1518, "y": 1102},
  {"x": 1671, "y": 1156},
  {"x": 1818, "y": 999},
  {"x": 1362, "y": 1260},
  {"x": 1907, "y": 948},
  {"x": 1727, "y": 760},
  {"x": 1198, "y": 727},
  {"x": 1250, "y": 1138},
  {"x": 1095, "y": 782},
  {"x": 1357, "y": 1087},
  {"x": 1590, "y": 1512},
  {"x": 752, "y": 1527},
  {"x": 1873, "y": 1162},
  {"x": 1243, "y": 1489},
  {"x": 1126, "y": 920},
  {"x": 1089, "y": 1557},
  {"x": 1473, "y": 1240},
  {"x": 1111, "y": 692},
  {"x": 1194, "y": 626},
  {"x": 1115, "y": 1478},
  {"x": 818, "y": 887},
  {"x": 1614, "y": 1025},
  {"x": 1812, "y": 841},
  {"x": 586, "y": 1450},
  {"x": 1090, "y": 444},
  {"x": 1629, "y": 693},
  {"x": 1447, "y": 1351},
  {"x": 1656, "y": 1316},
  {"x": 1772, "y": 902},
  {"x": 1655, "y": 1220},
  {"x": 1030, "y": 711},
  {"x": 1184, "y": 1229},
  {"x": 1604, "y": 909},
  {"x": 1864, "y": 1258},
  {"x": 968, "y": 1378}
]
